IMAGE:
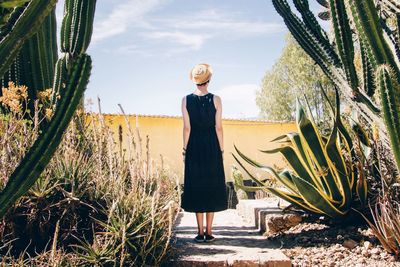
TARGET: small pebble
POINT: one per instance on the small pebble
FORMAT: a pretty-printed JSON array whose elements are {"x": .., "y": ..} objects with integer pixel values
[
  {"x": 349, "y": 243},
  {"x": 374, "y": 251},
  {"x": 367, "y": 245}
]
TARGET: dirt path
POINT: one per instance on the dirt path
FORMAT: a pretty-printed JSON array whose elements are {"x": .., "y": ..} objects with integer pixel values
[{"x": 237, "y": 244}]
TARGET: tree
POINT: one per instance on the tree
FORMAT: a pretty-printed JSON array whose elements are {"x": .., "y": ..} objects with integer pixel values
[{"x": 294, "y": 75}]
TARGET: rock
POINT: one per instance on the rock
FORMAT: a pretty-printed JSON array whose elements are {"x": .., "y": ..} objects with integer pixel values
[
  {"x": 279, "y": 223},
  {"x": 369, "y": 232},
  {"x": 367, "y": 245},
  {"x": 375, "y": 251},
  {"x": 349, "y": 243},
  {"x": 339, "y": 237},
  {"x": 366, "y": 253}
]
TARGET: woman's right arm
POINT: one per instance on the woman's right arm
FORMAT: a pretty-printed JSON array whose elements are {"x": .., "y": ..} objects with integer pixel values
[{"x": 186, "y": 124}]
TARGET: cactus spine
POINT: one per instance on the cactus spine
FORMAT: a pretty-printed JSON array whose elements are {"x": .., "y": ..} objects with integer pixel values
[
  {"x": 70, "y": 77},
  {"x": 356, "y": 22}
]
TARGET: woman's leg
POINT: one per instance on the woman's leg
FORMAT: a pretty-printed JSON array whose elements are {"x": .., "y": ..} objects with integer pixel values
[
  {"x": 209, "y": 220},
  {"x": 200, "y": 226}
]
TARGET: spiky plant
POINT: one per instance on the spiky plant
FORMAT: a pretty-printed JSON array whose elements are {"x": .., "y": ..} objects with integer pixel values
[
  {"x": 323, "y": 178},
  {"x": 28, "y": 55},
  {"x": 359, "y": 27},
  {"x": 92, "y": 205},
  {"x": 385, "y": 223}
]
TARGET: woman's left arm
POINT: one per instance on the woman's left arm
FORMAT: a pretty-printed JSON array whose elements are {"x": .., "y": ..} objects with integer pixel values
[{"x": 218, "y": 121}]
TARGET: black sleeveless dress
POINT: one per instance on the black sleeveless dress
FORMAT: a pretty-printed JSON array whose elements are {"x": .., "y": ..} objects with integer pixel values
[{"x": 204, "y": 178}]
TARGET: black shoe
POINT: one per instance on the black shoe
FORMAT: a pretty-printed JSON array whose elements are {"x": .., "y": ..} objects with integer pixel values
[
  {"x": 209, "y": 238},
  {"x": 199, "y": 238}
]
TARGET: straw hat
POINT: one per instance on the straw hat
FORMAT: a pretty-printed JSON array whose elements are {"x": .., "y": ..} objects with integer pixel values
[{"x": 201, "y": 73}]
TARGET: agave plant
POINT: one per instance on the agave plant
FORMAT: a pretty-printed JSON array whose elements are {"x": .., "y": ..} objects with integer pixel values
[
  {"x": 365, "y": 29},
  {"x": 324, "y": 177}
]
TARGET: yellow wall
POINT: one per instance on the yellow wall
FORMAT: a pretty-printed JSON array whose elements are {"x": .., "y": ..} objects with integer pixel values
[{"x": 165, "y": 133}]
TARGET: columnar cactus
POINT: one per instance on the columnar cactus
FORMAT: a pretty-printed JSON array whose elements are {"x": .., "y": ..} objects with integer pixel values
[
  {"x": 34, "y": 64},
  {"x": 23, "y": 22},
  {"x": 70, "y": 77},
  {"x": 362, "y": 24}
]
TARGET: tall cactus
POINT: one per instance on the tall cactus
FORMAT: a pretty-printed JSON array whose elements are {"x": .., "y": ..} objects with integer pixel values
[
  {"x": 34, "y": 64},
  {"x": 71, "y": 76},
  {"x": 360, "y": 24}
]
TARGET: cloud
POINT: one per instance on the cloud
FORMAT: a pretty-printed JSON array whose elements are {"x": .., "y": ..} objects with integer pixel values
[
  {"x": 194, "y": 41},
  {"x": 194, "y": 31},
  {"x": 238, "y": 100},
  {"x": 220, "y": 22},
  {"x": 179, "y": 33},
  {"x": 122, "y": 16}
]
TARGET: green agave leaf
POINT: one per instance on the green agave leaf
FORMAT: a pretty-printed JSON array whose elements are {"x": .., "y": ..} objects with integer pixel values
[
  {"x": 250, "y": 188},
  {"x": 362, "y": 186},
  {"x": 248, "y": 173},
  {"x": 12, "y": 3},
  {"x": 316, "y": 199},
  {"x": 297, "y": 165},
  {"x": 312, "y": 139},
  {"x": 337, "y": 166},
  {"x": 294, "y": 199},
  {"x": 280, "y": 138},
  {"x": 282, "y": 179},
  {"x": 345, "y": 140},
  {"x": 359, "y": 131}
]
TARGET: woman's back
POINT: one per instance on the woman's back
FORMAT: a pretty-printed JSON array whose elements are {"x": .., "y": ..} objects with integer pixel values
[
  {"x": 204, "y": 177},
  {"x": 201, "y": 111}
]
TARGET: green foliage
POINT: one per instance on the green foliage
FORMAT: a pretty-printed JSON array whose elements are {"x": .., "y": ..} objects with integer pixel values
[
  {"x": 12, "y": 3},
  {"x": 293, "y": 76},
  {"x": 366, "y": 26},
  {"x": 324, "y": 179},
  {"x": 69, "y": 84}
]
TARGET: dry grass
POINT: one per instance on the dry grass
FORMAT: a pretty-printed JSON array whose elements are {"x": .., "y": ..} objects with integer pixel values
[{"x": 95, "y": 204}]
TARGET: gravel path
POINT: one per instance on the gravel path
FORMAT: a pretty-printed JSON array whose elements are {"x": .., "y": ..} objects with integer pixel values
[{"x": 317, "y": 244}]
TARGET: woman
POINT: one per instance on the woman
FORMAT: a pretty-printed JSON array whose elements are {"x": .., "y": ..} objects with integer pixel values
[{"x": 204, "y": 178}]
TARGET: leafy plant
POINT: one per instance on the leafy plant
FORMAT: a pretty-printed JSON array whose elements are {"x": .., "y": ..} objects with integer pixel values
[
  {"x": 294, "y": 75},
  {"x": 324, "y": 177},
  {"x": 361, "y": 28}
]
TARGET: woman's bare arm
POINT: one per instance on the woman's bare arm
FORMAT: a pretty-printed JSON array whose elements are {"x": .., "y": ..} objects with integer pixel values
[
  {"x": 218, "y": 121},
  {"x": 186, "y": 123}
]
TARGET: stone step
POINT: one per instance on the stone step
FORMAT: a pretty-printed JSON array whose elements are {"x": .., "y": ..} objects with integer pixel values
[
  {"x": 237, "y": 244},
  {"x": 266, "y": 216}
]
